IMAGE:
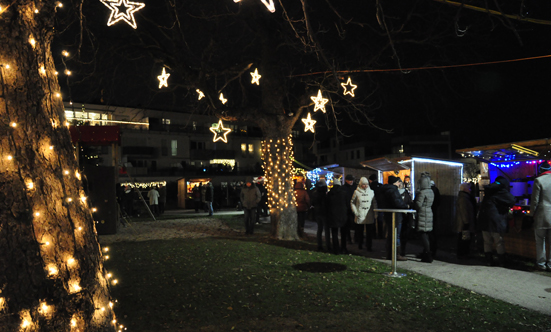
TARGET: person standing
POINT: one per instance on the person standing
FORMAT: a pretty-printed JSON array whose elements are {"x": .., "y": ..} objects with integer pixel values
[
  {"x": 162, "y": 199},
  {"x": 250, "y": 197},
  {"x": 376, "y": 187},
  {"x": 433, "y": 235},
  {"x": 209, "y": 198},
  {"x": 465, "y": 219},
  {"x": 407, "y": 221},
  {"x": 492, "y": 218},
  {"x": 203, "y": 195},
  {"x": 363, "y": 204},
  {"x": 350, "y": 188},
  {"x": 337, "y": 215},
  {"x": 391, "y": 199},
  {"x": 424, "y": 198},
  {"x": 196, "y": 192},
  {"x": 303, "y": 205},
  {"x": 540, "y": 209},
  {"x": 319, "y": 202},
  {"x": 153, "y": 196}
]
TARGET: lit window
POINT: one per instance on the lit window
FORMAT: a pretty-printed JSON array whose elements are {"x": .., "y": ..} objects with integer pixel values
[
  {"x": 251, "y": 148},
  {"x": 165, "y": 121},
  {"x": 243, "y": 147},
  {"x": 174, "y": 147}
]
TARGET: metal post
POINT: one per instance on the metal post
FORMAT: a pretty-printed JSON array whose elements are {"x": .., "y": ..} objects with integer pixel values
[{"x": 394, "y": 238}]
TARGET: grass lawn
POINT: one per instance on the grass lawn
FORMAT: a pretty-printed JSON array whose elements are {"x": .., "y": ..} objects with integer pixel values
[{"x": 259, "y": 284}]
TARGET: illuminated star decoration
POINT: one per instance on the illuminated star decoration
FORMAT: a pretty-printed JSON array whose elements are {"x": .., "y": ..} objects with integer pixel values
[
  {"x": 256, "y": 77},
  {"x": 163, "y": 79},
  {"x": 220, "y": 132},
  {"x": 269, "y": 4},
  {"x": 320, "y": 102},
  {"x": 350, "y": 90},
  {"x": 200, "y": 93},
  {"x": 222, "y": 99},
  {"x": 309, "y": 123},
  {"x": 127, "y": 15}
]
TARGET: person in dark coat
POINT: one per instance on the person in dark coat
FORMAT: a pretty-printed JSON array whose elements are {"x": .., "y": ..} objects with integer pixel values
[
  {"x": 376, "y": 187},
  {"x": 465, "y": 220},
  {"x": 209, "y": 197},
  {"x": 319, "y": 202},
  {"x": 407, "y": 222},
  {"x": 303, "y": 205},
  {"x": 196, "y": 193},
  {"x": 391, "y": 199},
  {"x": 250, "y": 197},
  {"x": 350, "y": 188},
  {"x": 433, "y": 235},
  {"x": 263, "y": 205},
  {"x": 338, "y": 215},
  {"x": 492, "y": 218}
]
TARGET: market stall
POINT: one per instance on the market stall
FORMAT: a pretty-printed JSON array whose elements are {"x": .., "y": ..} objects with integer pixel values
[
  {"x": 447, "y": 176},
  {"x": 518, "y": 162}
]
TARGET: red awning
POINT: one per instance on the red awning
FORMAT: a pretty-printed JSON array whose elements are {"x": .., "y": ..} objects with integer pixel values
[{"x": 95, "y": 135}]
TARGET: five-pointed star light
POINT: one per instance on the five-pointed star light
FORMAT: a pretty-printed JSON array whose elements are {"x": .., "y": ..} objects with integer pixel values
[
  {"x": 309, "y": 123},
  {"x": 269, "y": 4},
  {"x": 126, "y": 15},
  {"x": 320, "y": 102},
  {"x": 222, "y": 99},
  {"x": 220, "y": 132},
  {"x": 256, "y": 77},
  {"x": 349, "y": 87},
  {"x": 200, "y": 93},
  {"x": 163, "y": 79}
]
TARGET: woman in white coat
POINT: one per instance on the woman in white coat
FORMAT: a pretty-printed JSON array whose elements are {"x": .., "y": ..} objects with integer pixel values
[{"x": 363, "y": 204}]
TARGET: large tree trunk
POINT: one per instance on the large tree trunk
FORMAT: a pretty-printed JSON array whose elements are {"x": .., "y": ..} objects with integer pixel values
[{"x": 51, "y": 271}]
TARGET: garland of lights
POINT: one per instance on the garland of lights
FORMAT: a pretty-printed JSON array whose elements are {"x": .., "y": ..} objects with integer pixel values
[
  {"x": 279, "y": 173},
  {"x": 127, "y": 15},
  {"x": 220, "y": 133}
]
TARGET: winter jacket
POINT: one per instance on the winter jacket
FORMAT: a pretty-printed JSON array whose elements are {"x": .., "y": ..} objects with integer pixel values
[
  {"x": 350, "y": 189},
  {"x": 465, "y": 217},
  {"x": 540, "y": 206},
  {"x": 303, "y": 200},
  {"x": 391, "y": 199},
  {"x": 250, "y": 196},
  {"x": 338, "y": 207},
  {"x": 319, "y": 202},
  {"x": 209, "y": 193},
  {"x": 494, "y": 210},
  {"x": 423, "y": 204},
  {"x": 361, "y": 205}
]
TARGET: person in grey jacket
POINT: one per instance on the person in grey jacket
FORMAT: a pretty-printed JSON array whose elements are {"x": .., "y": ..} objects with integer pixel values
[
  {"x": 540, "y": 209},
  {"x": 424, "y": 198},
  {"x": 250, "y": 197},
  {"x": 465, "y": 218}
]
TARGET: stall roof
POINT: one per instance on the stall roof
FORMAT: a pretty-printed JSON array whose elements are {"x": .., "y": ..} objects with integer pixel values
[
  {"x": 525, "y": 150},
  {"x": 383, "y": 164}
]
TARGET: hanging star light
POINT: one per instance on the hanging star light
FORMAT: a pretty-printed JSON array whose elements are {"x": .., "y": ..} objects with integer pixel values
[
  {"x": 220, "y": 133},
  {"x": 222, "y": 99},
  {"x": 309, "y": 123},
  {"x": 200, "y": 93},
  {"x": 256, "y": 77},
  {"x": 163, "y": 79},
  {"x": 127, "y": 15},
  {"x": 349, "y": 87},
  {"x": 320, "y": 102},
  {"x": 269, "y": 4}
]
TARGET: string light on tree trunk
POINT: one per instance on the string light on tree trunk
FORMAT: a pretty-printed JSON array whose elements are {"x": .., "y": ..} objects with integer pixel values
[
  {"x": 349, "y": 87},
  {"x": 309, "y": 123},
  {"x": 319, "y": 102},
  {"x": 127, "y": 15},
  {"x": 255, "y": 77},
  {"x": 220, "y": 133},
  {"x": 163, "y": 79}
]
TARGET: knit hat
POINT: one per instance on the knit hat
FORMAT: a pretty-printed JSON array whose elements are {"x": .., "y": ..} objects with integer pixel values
[
  {"x": 337, "y": 182},
  {"x": 393, "y": 179},
  {"x": 349, "y": 177},
  {"x": 373, "y": 177},
  {"x": 363, "y": 180},
  {"x": 544, "y": 167}
]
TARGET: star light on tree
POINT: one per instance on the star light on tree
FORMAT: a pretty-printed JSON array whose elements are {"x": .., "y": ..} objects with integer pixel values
[
  {"x": 222, "y": 99},
  {"x": 320, "y": 102},
  {"x": 255, "y": 77},
  {"x": 220, "y": 133},
  {"x": 309, "y": 123},
  {"x": 349, "y": 87},
  {"x": 269, "y": 4},
  {"x": 163, "y": 79},
  {"x": 200, "y": 94},
  {"x": 127, "y": 14}
]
